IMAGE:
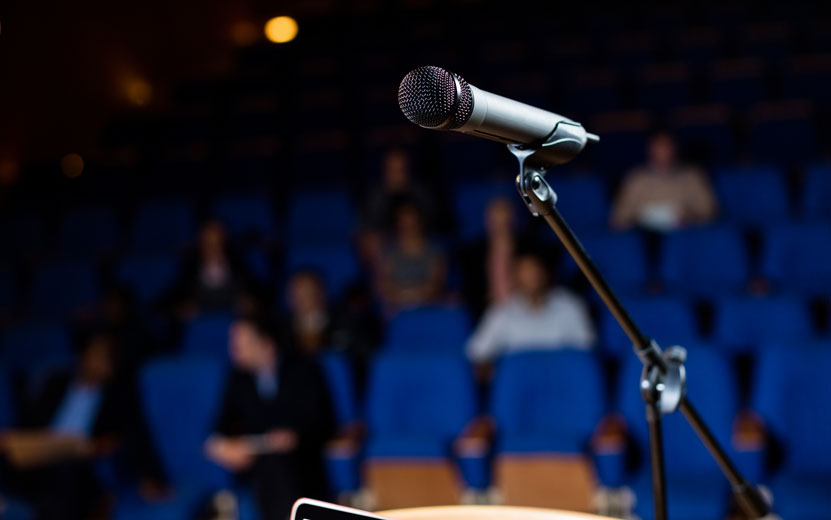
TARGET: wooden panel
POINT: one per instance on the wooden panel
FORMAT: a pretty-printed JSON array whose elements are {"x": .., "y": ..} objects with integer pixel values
[
  {"x": 552, "y": 481},
  {"x": 398, "y": 484}
]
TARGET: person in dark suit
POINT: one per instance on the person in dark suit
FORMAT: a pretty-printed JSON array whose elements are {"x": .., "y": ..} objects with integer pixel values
[
  {"x": 275, "y": 419},
  {"x": 77, "y": 417}
]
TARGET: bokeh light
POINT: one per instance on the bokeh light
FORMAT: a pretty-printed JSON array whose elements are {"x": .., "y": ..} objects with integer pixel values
[
  {"x": 72, "y": 165},
  {"x": 138, "y": 91},
  {"x": 281, "y": 29}
]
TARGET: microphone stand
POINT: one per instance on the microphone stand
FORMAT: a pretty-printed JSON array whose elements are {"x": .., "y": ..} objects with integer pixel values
[{"x": 663, "y": 378}]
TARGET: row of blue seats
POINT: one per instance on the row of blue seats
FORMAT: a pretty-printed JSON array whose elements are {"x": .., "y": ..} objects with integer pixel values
[
  {"x": 704, "y": 262},
  {"x": 541, "y": 402},
  {"x": 750, "y": 195}
]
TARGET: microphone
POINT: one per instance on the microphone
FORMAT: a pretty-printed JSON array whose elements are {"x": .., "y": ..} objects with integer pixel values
[{"x": 435, "y": 98}]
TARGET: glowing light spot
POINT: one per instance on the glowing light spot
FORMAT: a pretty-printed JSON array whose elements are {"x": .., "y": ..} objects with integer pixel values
[
  {"x": 138, "y": 91},
  {"x": 281, "y": 29},
  {"x": 72, "y": 165}
]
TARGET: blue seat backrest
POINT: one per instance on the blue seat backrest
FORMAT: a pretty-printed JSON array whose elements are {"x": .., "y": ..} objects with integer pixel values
[
  {"x": 755, "y": 195},
  {"x": 669, "y": 320},
  {"x": 412, "y": 394},
  {"x": 747, "y": 323},
  {"x": 582, "y": 200},
  {"x": 163, "y": 226},
  {"x": 688, "y": 263},
  {"x": 245, "y": 214},
  {"x": 436, "y": 327},
  {"x": 548, "y": 392},
  {"x": 320, "y": 216},
  {"x": 335, "y": 261},
  {"x": 816, "y": 192},
  {"x": 791, "y": 395},
  {"x": 621, "y": 257},
  {"x": 181, "y": 400},
  {"x": 796, "y": 256},
  {"x": 149, "y": 276},
  {"x": 208, "y": 335},
  {"x": 472, "y": 198}
]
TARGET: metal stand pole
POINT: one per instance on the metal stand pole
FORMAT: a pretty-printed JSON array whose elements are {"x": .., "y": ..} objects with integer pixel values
[{"x": 663, "y": 380}]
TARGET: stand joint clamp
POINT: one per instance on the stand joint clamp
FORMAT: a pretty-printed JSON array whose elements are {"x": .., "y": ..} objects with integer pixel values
[{"x": 667, "y": 385}]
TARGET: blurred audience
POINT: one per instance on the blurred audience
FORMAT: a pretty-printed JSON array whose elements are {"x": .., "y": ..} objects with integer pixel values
[
  {"x": 664, "y": 194},
  {"x": 214, "y": 277},
  {"x": 412, "y": 269},
  {"x": 396, "y": 185},
  {"x": 537, "y": 315},
  {"x": 76, "y": 418},
  {"x": 275, "y": 419},
  {"x": 487, "y": 264}
]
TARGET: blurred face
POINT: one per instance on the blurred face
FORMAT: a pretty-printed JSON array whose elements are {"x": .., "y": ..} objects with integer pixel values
[
  {"x": 662, "y": 151},
  {"x": 306, "y": 294},
  {"x": 531, "y": 278},
  {"x": 408, "y": 221},
  {"x": 249, "y": 350},
  {"x": 98, "y": 360},
  {"x": 212, "y": 238},
  {"x": 499, "y": 217},
  {"x": 396, "y": 170}
]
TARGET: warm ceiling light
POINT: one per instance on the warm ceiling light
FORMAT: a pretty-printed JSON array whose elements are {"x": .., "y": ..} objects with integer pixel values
[
  {"x": 244, "y": 33},
  {"x": 138, "y": 91},
  {"x": 72, "y": 165},
  {"x": 281, "y": 29}
]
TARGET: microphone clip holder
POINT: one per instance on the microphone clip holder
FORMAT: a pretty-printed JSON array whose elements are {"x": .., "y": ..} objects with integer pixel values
[{"x": 663, "y": 379}]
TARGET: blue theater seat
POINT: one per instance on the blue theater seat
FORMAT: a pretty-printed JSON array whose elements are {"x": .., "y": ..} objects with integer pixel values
[
  {"x": 546, "y": 401},
  {"x": 207, "y": 336},
  {"x": 796, "y": 257},
  {"x": 748, "y": 323},
  {"x": 809, "y": 77},
  {"x": 335, "y": 261},
  {"x": 320, "y": 216},
  {"x": 162, "y": 227},
  {"x": 34, "y": 345},
  {"x": 61, "y": 288},
  {"x": 705, "y": 261},
  {"x": 86, "y": 232},
  {"x": 472, "y": 198},
  {"x": 418, "y": 404},
  {"x": 582, "y": 200},
  {"x": 737, "y": 83},
  {"x": 180, "y": 400},
  {"x": 243, "y": 215},
  {"x": 431, "y": 328},
  {"x": 783, "y": 132},
  {"x": 752, "y": 195},
  {"x": 696, "y": 489},
  {"x": 620, "y": 257},
  {"x": 791, "y": 396},
  {"x": 668, "y": 320},
  {"x": 816, "y": 192},
  {"x": 148, "y": 276}
]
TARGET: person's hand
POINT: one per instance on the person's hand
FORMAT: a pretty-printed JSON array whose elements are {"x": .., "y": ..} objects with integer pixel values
[
  {"x": 233, "y": 454},
  {"x": 281, "y": 440}
]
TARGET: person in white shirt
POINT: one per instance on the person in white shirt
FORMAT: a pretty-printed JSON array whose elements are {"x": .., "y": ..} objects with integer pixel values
[{"x": 535, "y": 317}]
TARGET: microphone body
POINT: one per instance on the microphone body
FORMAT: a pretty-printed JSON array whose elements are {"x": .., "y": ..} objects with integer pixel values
[{"x": 435, "y": 98}]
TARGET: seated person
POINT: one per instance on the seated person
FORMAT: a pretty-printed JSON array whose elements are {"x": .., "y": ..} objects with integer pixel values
[
  {"x": 309, "y": 324},
  {"x": 77, "y": 416},
  {"x": 535, "y": 316},
  {"x": 487, "y": 264},
  {"x": 664, "y": 194},
  {"x": 412, "y": 270},
  {"x": 213, "y": 276},
  {"x": 275, "y": 419}
]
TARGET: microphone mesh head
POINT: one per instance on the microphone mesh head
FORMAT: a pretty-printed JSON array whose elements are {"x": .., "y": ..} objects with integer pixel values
[{"x": 428, "y": 97}]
